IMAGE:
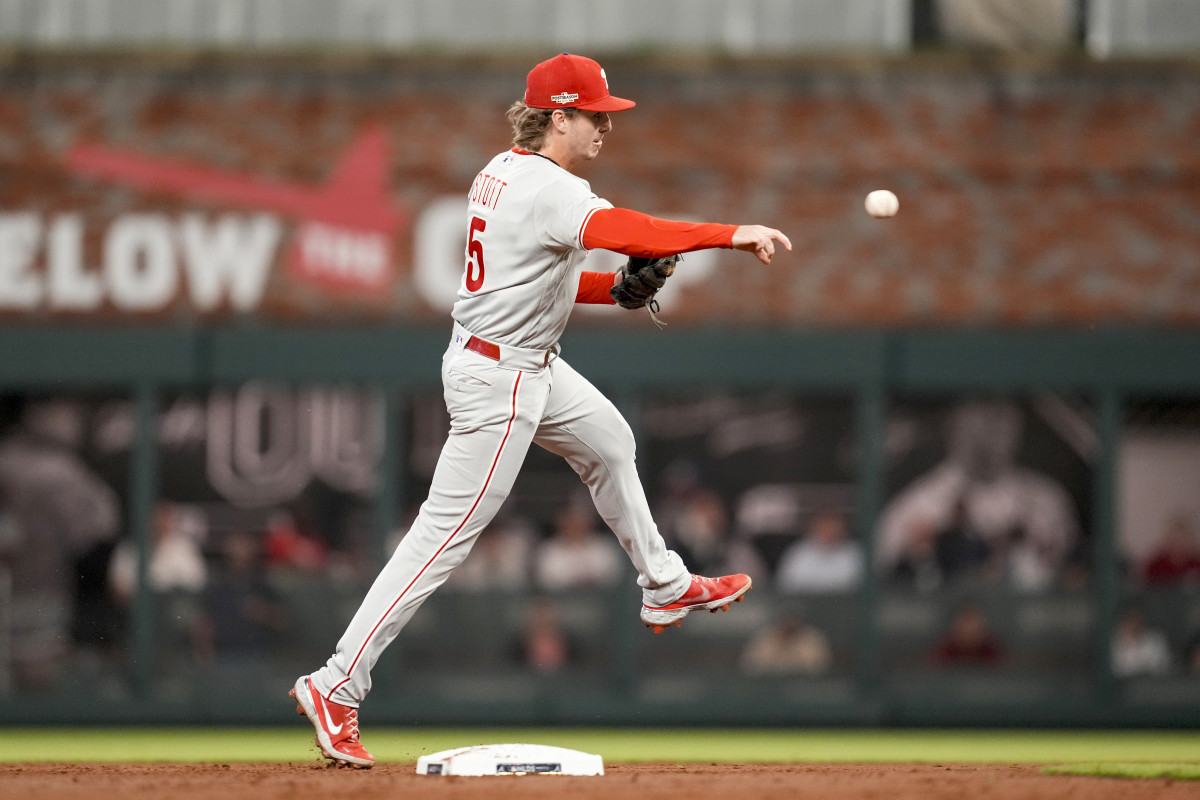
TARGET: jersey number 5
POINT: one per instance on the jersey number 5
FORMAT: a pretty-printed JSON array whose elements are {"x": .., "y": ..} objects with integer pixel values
[{"x": 475, "y": 256}]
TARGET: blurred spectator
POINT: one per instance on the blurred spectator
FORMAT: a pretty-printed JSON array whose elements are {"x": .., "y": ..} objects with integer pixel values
[
  {"x": 176, "y": 560},
  {"x": 544, "y": 644},
  {"x": 768, "y": 522},
  {"x": 980, "y": 487},
  {"x": 969, "y": 641},
  {"x": 8, "y": 541},
  {"x": 241, "y": 614},
  {"x": 1022, "y": 563},
  {"x": 57, "y": 511},
  {"x": 1138, "y": 650},
  {"x": 500, "y": 558},
  {"x": 743, "y": 556},
  {"x": 825, "y": 560},
  {"x": 287, "y": 547},
  {"x": 692, "y": 518},
  {"x": 1191, "y": 657},
  {"x": 577, "y": 555},
  {"x": 176, "y": 574},
  {"x": 960, "y": 546},
  {"x": 934, "y": 555},
  {"x": 790, "y": 646},
  {"x": 1177, "y": 557},
  {"x": 917, "y": 566}
]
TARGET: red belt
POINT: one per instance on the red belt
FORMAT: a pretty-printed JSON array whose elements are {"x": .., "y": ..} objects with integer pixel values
[
  {"x": 484, "y": 348},
  {"x": 492, "y": 350}
]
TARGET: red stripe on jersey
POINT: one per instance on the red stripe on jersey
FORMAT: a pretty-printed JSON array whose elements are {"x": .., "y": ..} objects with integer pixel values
[
  {"x": 594, "y": 287},
  {"x": 512, "y": 418},
  {"x": 583, "y": 226},
  {"x": 633, "y": 233}
]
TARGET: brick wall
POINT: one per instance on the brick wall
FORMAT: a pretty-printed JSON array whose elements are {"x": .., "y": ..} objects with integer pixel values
[{"x": 1030, "y": 194}]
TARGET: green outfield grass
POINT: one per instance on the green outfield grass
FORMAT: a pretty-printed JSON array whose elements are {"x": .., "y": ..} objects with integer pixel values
[
  {"x": 1125, "y": 769},
  {"x": 1131, "y": 753}
]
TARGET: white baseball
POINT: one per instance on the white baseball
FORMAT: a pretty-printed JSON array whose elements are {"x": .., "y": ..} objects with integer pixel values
[{"x": 882, "y": 203}]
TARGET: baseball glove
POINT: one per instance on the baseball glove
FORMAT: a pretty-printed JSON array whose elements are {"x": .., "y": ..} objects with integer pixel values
[{"x": 641, "y": 278}]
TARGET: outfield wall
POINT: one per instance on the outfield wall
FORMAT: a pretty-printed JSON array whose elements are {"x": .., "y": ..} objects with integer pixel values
[{"x": 456, "y": 663}]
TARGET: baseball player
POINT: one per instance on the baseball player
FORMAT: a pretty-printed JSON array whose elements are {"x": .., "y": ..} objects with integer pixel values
[{"x": 531, "y": 222}]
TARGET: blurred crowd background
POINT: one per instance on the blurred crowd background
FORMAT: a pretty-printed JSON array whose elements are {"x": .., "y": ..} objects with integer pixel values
[{"x": 958, "y": 451}]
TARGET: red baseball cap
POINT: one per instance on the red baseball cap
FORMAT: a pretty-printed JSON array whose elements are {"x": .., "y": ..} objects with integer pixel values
[{"x": 568, "y": 81}]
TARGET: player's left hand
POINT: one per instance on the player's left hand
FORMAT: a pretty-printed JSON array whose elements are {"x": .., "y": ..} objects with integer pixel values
[
  {"x": 760, "y": 241},
  {"x": 640, "y": 279}
]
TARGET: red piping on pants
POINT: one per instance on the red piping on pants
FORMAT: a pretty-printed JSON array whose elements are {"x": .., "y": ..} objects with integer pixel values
[{"x": 445, "y": 544}]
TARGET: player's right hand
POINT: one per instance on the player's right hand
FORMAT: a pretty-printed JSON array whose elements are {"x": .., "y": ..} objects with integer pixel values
[{"x": 760, "y": 241}]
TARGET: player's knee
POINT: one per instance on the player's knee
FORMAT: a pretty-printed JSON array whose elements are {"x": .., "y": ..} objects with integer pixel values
[{"x": 618, "y": 445}]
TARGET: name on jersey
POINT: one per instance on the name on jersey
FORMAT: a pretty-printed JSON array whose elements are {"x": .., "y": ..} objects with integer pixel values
[{"x": 486, "y": 190}]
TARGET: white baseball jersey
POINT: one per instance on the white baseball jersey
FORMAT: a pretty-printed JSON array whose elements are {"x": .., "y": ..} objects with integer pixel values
[
  {"x": 524, "y": 254},
  {"x": 525, "y": 220}
]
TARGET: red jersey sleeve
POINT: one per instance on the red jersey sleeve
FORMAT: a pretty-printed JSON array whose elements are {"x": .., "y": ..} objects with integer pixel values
[
  {"x": 633, "y": 233},
  {"x": 594, "y": 288}
]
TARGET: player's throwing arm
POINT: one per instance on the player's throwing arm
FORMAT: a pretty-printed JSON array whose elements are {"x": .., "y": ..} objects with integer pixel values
[{"x": 760, "y": 240}]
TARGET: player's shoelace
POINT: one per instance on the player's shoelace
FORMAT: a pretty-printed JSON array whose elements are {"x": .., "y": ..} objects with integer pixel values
[
  {"x": 700, "y": 579},
  {"x": 352, "y": 722}
]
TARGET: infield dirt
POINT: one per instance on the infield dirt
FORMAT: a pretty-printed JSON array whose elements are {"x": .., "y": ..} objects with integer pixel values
[{"x": 295, "y": 781}]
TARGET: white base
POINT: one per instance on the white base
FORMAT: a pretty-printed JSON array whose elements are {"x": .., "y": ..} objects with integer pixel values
[{"x": 510, "y": 759}]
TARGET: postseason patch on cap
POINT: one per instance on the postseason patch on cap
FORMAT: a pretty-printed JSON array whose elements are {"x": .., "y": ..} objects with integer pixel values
[{"x": 565, "y": 98}]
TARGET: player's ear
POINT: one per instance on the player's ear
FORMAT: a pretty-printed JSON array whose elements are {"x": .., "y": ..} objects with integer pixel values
[{"x": 559, "y": 118}]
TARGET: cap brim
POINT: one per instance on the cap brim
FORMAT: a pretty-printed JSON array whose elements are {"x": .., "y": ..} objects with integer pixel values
[{"x": 609, "y": 103}]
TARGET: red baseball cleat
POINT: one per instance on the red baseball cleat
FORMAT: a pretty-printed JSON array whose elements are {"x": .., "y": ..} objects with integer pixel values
[
  {"x": 709, "y": 594},
  {"x": 336, "y": 724}
]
